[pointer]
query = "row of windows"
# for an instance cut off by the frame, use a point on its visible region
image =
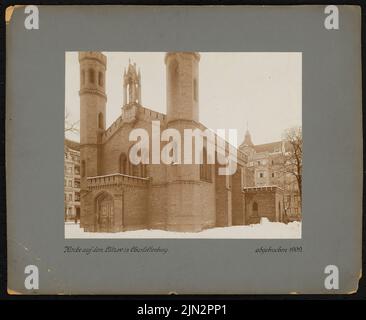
(69, 196)
(74, 158)
(126, 167)
(261, 162)
(91, 77)
(70, 183)
(140, 170)
(70, 170)
(263, 174)
(295, 197)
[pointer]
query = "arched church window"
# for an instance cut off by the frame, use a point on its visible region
(100, 121)
(83, 168)
(91, 76)
(83, 77)
(143, 170)
(123, 163)
(136, 170)
(255, 209)
(195, 90)
(205, 167)
(133, 169)
(100, 79)
(173, 77)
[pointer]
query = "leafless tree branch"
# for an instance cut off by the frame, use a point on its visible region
(70, 126)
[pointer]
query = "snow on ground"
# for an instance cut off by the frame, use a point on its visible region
(263, 230)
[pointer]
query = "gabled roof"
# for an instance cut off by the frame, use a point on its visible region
(268, 147)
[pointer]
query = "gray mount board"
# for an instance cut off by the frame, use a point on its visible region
(332, 178)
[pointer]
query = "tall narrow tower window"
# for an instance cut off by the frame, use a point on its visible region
(100, 121)
(123, 163)
(91, 76)
(83, 77)
(100, 79)
(205, 167)
(195, 90)
(83, 168)
(255, 209)
(173, 79)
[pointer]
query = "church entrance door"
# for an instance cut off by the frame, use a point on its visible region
(105, 213)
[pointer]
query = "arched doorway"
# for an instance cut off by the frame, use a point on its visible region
(105, 213)
(254, 213)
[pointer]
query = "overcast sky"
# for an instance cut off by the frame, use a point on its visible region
(262, 89)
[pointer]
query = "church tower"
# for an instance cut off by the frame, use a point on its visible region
(92, 111)
(248, 139)
(247, 145)
(185, 209)
(182, 85)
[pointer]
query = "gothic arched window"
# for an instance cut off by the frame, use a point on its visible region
(205, 167)
(173, 78)
(91, 76)
(255, 209)
(123, 163)
(195, 90)
(136, 170)
(100, 79)
(83, 77)
(100, 121)
(83, 168)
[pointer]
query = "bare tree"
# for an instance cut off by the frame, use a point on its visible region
(292, 160)
(70, 126)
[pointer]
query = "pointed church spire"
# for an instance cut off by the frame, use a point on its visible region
(248, 138)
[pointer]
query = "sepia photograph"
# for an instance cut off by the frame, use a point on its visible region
(159, 150)
(183, 145)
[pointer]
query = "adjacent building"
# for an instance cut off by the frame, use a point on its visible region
(71, 180)
(267, 161)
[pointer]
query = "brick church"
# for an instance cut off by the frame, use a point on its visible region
(118, 196)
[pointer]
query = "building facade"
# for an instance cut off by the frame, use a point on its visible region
(267, 163)
(117, 195)
(72, 180)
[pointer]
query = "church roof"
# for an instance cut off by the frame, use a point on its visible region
(72, 144)
(273, 146)
(268, 147)
(276, 146)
